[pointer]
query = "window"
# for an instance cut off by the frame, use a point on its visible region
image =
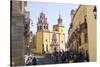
(85, 38)
(43, 49)
(47, 48)
(20, 3)
(40, 27)
(44, 27)
(46, 40)
(56, 30)
(94, 11)
(62, 41)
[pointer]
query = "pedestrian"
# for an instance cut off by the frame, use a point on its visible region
(34, 61)
(63, 57)
(29, 61)
(56, 58)
(86, 56)
(75, 58)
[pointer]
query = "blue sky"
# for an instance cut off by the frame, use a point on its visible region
(52, 11)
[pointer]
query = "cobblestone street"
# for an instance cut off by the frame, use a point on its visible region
(42, 59)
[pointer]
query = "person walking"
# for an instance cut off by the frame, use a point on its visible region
(34, 61)
(29, 61)
(63, 57)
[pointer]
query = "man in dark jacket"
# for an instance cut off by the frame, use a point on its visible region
(34, 61)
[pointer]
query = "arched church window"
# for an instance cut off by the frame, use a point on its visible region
(44, 27)
(40, 27)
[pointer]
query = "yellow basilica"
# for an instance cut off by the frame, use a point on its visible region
(46, 41)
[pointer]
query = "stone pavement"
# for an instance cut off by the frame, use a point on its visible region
(42, 59)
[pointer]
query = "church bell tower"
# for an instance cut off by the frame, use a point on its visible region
(42, 24)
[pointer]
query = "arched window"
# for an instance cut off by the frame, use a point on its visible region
(20, 4)
(47, 27)
(95, 12)
(44, 27)
(40, 27)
